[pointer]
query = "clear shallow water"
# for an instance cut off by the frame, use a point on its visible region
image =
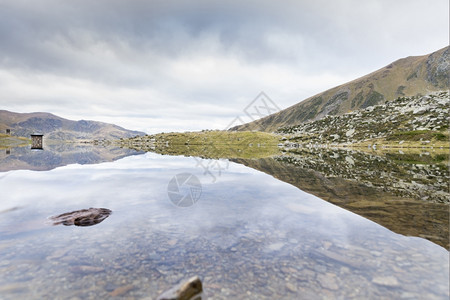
(249, 236)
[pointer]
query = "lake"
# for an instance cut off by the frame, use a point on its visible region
(246, 231)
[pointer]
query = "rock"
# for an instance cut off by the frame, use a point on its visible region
(350, 132)
(274, 247)
(326, 244)
(420, 110)
(14, 287)
(357, 264)
(406, 295)
(334, 136)
(291, 287)
(121, 290)
(171, 242)
(390, 281)
(86, 269)
(58, 253)
(349, 160)
(188, 290)
(327, 281)
(376, 253)
(83, 217)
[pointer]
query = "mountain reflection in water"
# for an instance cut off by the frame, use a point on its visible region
(60, 154)
(406, 193)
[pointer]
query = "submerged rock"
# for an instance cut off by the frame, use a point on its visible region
(389, 281)
(187, 290)
(121, 290)
(83, 217)
(85, 269)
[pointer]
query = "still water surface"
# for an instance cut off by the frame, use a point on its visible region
(249, 236)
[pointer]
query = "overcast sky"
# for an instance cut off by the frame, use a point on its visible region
(188, 65)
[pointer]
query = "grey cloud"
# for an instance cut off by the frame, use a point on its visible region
(178, 53)
(319, 33)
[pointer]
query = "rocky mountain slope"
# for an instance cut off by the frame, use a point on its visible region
(57, 128)
(411, 76)
(407, 119)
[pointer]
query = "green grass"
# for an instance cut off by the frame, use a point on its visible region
(373, 98)
(417, 135)
(209, 144)
(219, 138)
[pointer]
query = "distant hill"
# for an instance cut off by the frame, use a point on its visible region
(57, 128)
(411, 76)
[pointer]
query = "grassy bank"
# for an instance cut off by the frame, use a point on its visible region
(211, 144)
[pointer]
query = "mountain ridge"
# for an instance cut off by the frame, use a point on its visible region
(58, 128)
(409, 76)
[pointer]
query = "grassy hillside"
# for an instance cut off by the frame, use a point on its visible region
(411, 76)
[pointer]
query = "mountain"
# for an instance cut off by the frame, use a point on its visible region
(57, 128)
(410, 76)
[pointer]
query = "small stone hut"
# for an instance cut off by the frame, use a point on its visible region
(36, 141)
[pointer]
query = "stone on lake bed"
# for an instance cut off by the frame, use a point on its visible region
(171, 242)
(86, 269)
(82, 217)
(274, 247)
(14, 287)
(121, 290)
(187, 290)
(327, 281)
(291, 287)
(390, 281)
